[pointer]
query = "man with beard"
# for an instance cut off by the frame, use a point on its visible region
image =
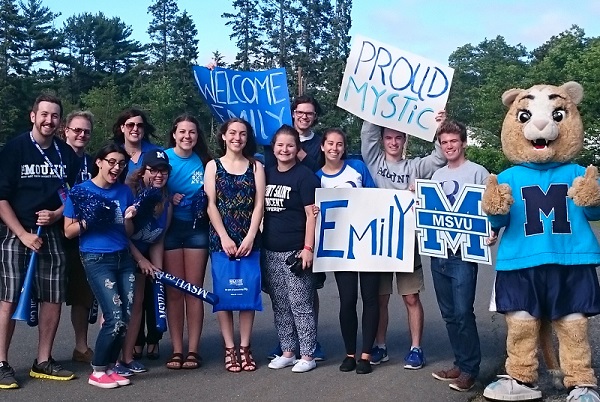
(37, 171)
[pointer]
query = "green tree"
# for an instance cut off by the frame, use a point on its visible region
(11, 69)
(162, 31)
(105, 102)
(40, 37)
(246, 33)
(482, 73)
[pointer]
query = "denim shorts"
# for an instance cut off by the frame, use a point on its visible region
(183, 234)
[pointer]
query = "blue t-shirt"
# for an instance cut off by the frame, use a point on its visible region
(133, 166)
(187, 177)
(354, 174)
(105, 238)
(148, 230)
(544, 226)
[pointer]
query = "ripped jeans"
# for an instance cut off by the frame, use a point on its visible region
(111, 278)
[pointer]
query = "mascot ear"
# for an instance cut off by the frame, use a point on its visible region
(574, 90)
(509, 96)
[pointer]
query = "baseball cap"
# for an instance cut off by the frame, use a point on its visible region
(156, 158)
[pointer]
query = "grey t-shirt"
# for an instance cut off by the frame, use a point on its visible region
(395, 175)
(453, 180)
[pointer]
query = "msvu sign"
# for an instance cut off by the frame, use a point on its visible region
(458, 226)
(364, 229)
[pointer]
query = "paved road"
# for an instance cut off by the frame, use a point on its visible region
(388, 382)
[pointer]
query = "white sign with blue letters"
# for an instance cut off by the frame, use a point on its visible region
(364, 229)
(460, 227)
(394, 88)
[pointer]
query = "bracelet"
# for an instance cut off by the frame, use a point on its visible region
(309, 248)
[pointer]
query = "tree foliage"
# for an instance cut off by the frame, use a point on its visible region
(91, 61)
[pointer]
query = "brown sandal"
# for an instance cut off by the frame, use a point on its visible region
(175, 362)
(248, 363)
(192, 361)
(231, 361)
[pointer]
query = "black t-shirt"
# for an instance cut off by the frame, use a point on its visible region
(286, 196)
(28, 183)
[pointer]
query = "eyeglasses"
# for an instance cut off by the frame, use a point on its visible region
(305, 114)
(154, 172)
(78, 130)
(113, 162)
(131, 125)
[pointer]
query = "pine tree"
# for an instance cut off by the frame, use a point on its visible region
(246, 33)
(162, 30)
(40, 39)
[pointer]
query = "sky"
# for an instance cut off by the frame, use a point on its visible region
(432, 28)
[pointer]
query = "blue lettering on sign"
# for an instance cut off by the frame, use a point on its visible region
(379, 232)
(400, 74)
(444, 225)
(259, 97)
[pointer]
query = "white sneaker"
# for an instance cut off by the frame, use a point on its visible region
(583, 394)
(280, 362)
(302, 366)
(508, 389)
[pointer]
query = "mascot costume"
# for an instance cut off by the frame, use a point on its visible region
(548, 252)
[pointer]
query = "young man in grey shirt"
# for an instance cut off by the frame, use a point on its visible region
(390, 170)
(455, 280)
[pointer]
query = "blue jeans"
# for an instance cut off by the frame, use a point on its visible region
(111, 279)
(455, 281)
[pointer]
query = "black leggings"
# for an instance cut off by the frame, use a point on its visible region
(369, 290)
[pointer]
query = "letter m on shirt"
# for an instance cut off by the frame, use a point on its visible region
(552, 203)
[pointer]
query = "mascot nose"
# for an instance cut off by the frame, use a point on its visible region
(540, 124)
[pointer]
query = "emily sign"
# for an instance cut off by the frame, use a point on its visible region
(365, 229)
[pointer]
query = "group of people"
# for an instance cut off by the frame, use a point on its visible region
(203, 206)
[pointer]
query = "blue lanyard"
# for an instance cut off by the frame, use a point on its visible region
(83, 171)
(50, 164)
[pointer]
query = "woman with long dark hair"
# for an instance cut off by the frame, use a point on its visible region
(235, 187)
(186, 240)
(133, 132)
(106, 259)
(338, 172)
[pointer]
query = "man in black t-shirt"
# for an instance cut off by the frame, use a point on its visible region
(37, 170)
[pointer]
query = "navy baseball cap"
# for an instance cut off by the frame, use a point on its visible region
(156, 158)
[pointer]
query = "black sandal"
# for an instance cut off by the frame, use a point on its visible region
(153, 354)
(175, 362)
(137, 355)
(192, 361)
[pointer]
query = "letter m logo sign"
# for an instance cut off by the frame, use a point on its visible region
(442, 226)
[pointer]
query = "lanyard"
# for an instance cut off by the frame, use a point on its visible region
(83, 172)
(54, 171)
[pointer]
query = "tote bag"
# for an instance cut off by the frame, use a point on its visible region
(236, 281)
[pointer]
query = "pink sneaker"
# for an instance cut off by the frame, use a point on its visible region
(104, 381)
(119, 379)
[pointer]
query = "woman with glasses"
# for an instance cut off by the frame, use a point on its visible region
(147, 248)
(132, 131)
(186, 240)
(106, 259)
(77, 134)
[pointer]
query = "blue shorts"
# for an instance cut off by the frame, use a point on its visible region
(549, 291)
(183, 234)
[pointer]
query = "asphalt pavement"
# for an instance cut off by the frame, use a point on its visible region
(388, 382)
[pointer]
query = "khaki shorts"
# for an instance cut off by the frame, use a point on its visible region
(407, 283)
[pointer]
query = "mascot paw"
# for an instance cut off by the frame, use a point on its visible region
(585, 191)
(497, 198)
